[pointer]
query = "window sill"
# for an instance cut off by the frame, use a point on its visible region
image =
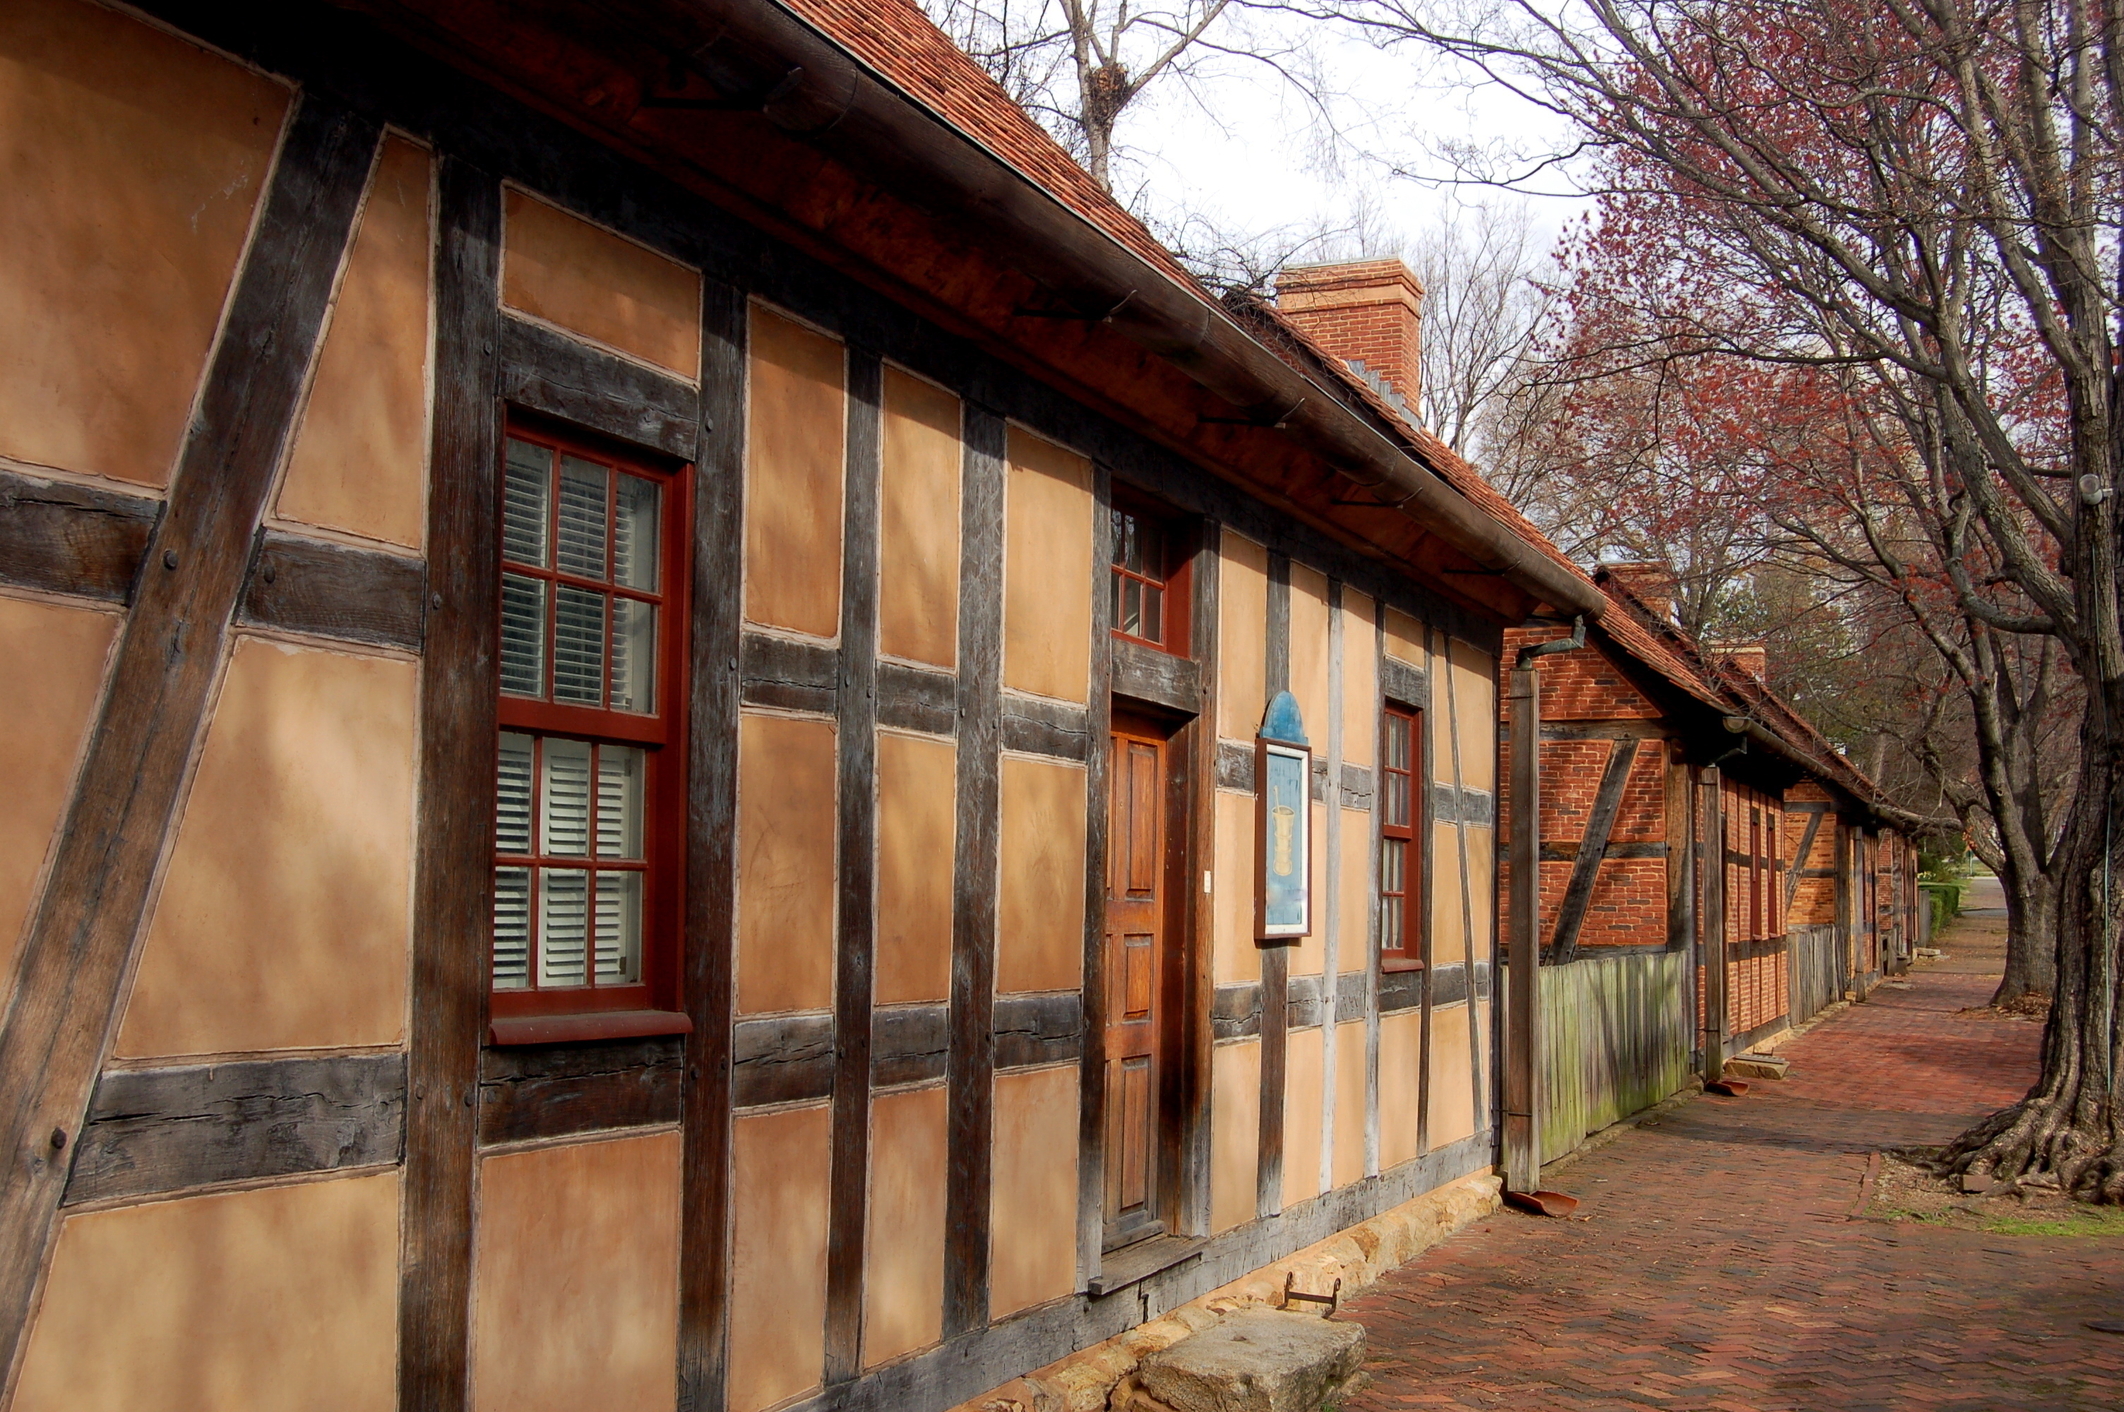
(1133, 1264)
(568, 1029)
(1400, 963)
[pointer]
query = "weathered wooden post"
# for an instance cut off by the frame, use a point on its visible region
(1713, 912)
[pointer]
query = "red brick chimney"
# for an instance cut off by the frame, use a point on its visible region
(1369, 313)
(1650, 582)
(1751, 657)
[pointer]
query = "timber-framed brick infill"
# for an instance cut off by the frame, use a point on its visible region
(773, 1064)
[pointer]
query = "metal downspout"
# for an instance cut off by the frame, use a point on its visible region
(1523, 1096)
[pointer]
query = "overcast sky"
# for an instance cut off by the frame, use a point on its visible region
(1239, 146)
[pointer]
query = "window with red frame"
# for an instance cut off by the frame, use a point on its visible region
(589, 789)
(1400, 839)
(1149, 581)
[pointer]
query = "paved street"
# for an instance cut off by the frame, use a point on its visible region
(1719, 1265)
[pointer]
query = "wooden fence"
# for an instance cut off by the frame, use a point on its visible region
(1820, 969)
(1616, 1039)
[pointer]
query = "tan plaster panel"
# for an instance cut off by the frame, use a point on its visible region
(794, 466)
(1309, 956)
(1235, 1132)
(903, 1272)
(779, 1181)
(1476, 699)
(918, 521)
(1353, 903)
(1449, 925)
(786, 831)
(1452, 1085)
(560, 268)
(1235, 958)
(575, 1287)
(1033, 1208)
(1349, 1103)
(917, 830)
(1440, 721)
(1309, 653)
(360, 462)
(283, 921)
(1304, 1102)
(277, 1299)
(1360, 678)
(1047, 585)
(49, 713)
(1040, 910)
(133, 162)
(1404, 639)
(1242, 636)
(1482, 1018)
(1482, 887)
(1400, 1072)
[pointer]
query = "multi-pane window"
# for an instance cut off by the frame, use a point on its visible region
(1400, 840)
(1148, 585)
(584, 778)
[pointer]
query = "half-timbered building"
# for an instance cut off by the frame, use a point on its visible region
(686, 730)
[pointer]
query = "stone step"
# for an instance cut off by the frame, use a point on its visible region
(1758, 1066)
(1257, 1360)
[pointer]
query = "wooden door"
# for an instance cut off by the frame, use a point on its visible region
(1135, 956)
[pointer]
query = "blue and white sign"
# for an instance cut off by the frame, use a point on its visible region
(1284, 851)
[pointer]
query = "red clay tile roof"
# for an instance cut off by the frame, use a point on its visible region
(897, 40)
(894, 38)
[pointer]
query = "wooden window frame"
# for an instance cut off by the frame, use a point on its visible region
(1411, 899)
(1176, 586)
(650, 1005)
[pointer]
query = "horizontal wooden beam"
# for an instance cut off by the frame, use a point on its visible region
(331, 590)
(1399, 682)
(547, 371)
(788, 673)
(1358, 784)
(152, 1131)
(917, 699)
(1038, 1029)
(60, 537)
(1159, 678)
(1235, 766)
(1567, 852)
(908, 1043)
(1627, 729)
(555, 1090)
(1464, 805)
(1033, 726)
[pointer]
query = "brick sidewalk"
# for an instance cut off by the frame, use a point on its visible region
(1720, 1269)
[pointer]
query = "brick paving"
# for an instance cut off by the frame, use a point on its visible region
(1718, 1266)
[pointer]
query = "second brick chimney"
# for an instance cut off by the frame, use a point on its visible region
(1368, 313)
(1653, 584)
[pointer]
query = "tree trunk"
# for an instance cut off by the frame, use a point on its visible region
(2071, 1124)
(2031, 934)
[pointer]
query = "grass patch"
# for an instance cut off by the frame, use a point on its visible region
(2092, 1221)
(1908, 1190)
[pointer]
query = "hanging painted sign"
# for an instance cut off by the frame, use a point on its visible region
(1283, 844)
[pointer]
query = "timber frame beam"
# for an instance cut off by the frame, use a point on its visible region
(78, 948)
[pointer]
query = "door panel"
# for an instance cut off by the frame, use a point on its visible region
(1135, 941)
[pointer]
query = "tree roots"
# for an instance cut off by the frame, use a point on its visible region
(2045, 1135)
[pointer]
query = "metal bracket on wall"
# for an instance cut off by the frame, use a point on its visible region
(679, 74)
(1332, 1299)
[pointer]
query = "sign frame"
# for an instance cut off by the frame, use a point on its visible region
(1283, 833)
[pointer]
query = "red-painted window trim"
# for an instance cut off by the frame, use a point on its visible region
(1168, 570)
(1401, 819)
(651, 1005)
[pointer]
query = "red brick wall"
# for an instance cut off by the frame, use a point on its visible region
(1628, 904)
